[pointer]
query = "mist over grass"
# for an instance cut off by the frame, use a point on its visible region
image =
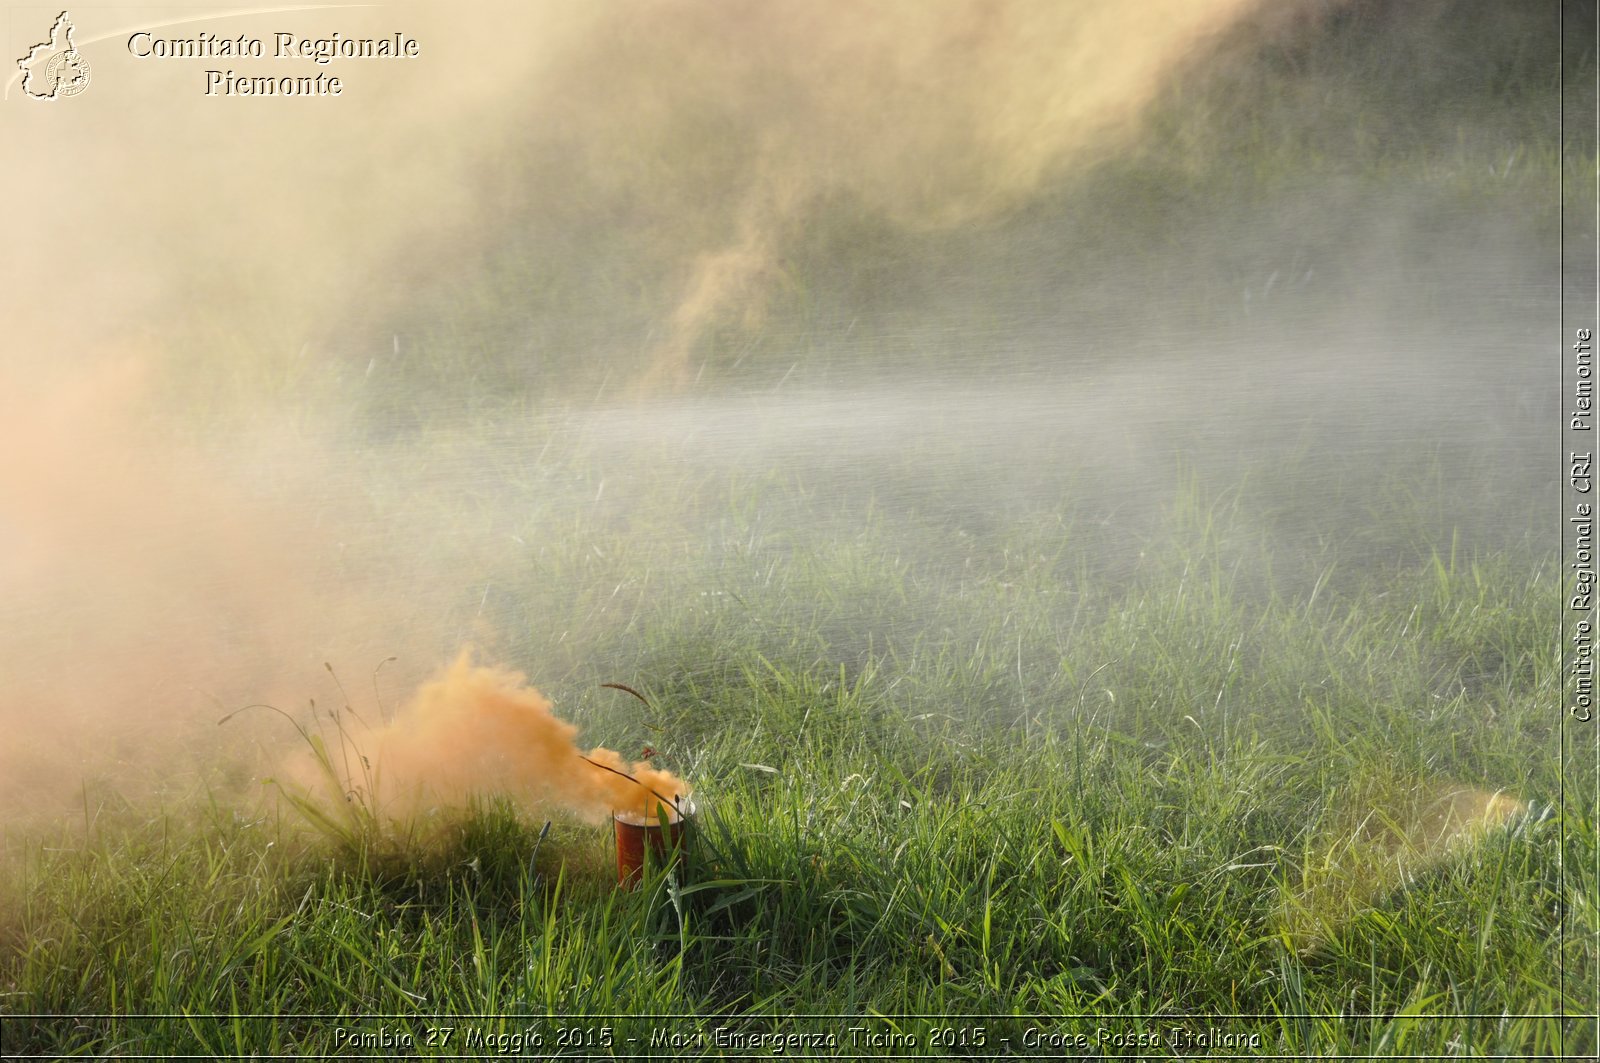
(1370, 165)
(1075, 608)
(1038, 787)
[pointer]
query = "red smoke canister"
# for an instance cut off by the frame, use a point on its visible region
(637, 834)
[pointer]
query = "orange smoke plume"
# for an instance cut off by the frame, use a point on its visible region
(477, 730)
(929, 115)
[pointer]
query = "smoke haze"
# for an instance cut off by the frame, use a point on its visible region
(295, 381)
(474, 731)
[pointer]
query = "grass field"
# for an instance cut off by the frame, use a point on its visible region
(1170, 798)
(1122, 623)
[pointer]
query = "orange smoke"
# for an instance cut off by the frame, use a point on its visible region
(477, 730)
(929, 115)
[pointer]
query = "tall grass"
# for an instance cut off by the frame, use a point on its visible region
(1124, 802)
